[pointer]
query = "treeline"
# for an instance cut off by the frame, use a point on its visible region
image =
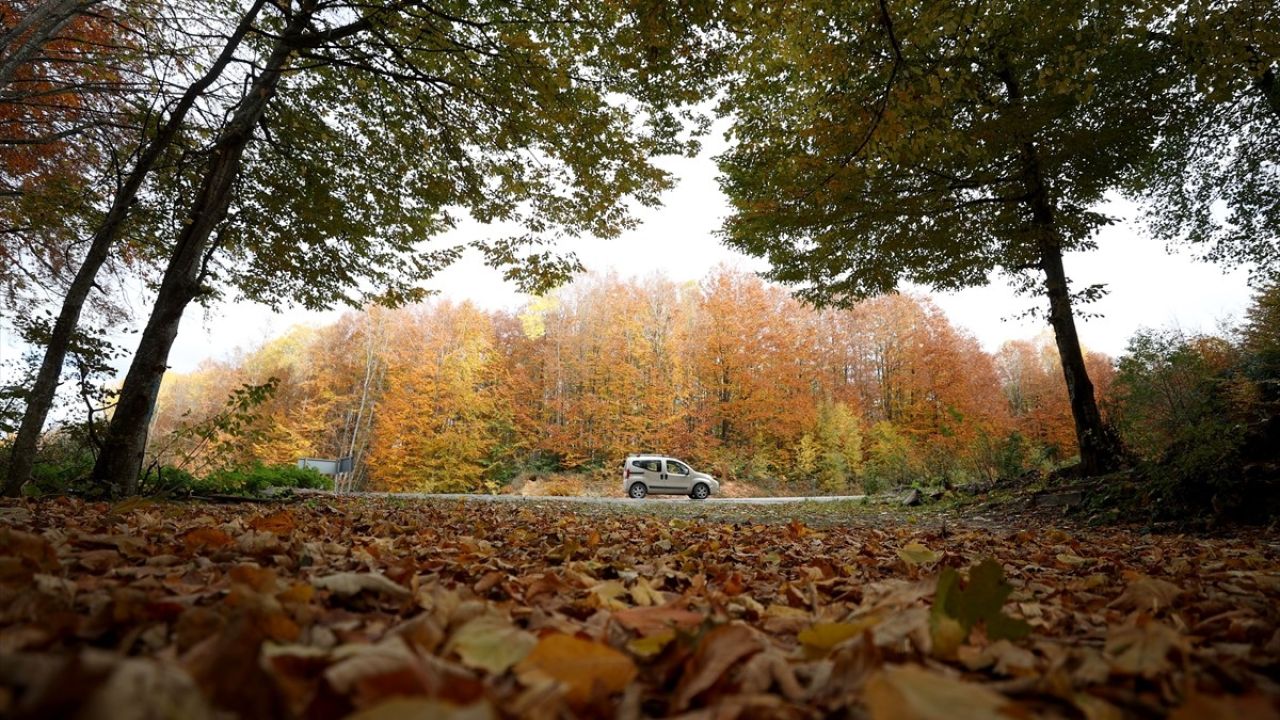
(732, 374)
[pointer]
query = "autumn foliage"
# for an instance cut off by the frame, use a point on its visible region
(732, 374)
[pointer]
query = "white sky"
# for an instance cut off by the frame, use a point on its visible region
(1148, 286)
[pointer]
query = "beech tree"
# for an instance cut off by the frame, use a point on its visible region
(940, 144)
(164, 122)
(362, 131)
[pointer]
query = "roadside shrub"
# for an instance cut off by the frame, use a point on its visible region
(1194, 411)
(257, 478)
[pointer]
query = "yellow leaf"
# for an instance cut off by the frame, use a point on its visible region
(645, 594)
(650, 645)
(947, 634)
(581, 665)
(913, 693)
(824, 636)
(916, 554)
(491, 642)
(606, 594)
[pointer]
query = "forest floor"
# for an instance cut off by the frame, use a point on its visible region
(325, 606)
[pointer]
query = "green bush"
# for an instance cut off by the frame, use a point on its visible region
(257, 478)
(1193, 410)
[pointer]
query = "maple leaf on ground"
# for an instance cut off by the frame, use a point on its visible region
(956, 609)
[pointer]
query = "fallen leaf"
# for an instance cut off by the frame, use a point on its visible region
(909, 692)
(650, 620)
(205, 538)
(1142, 649)
(426, 709)
(916, 554)
(1147, 594)
(646, 646)
(1207, 707)
(717, 651)
(822, 637)
(349, 583)
(581, 665)
(491, 642)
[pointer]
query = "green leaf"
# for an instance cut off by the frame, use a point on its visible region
(980, 600)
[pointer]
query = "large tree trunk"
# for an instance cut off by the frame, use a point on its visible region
(120, 462)
(40, 398)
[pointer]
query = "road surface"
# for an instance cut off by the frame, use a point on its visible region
(595, 500)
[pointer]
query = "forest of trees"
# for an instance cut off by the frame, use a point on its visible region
(731, 374)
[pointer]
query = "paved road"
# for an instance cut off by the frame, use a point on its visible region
(616, 500)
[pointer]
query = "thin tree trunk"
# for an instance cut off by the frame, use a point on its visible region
(1099, 453)
(40, 398)
(1099, 450)
(120, 462)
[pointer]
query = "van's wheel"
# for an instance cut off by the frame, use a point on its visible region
(700, 491)
(638, 491)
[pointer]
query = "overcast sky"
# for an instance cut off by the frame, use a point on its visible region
(1147, 285)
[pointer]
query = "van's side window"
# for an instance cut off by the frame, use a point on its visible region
(650, 465)
(676, 468)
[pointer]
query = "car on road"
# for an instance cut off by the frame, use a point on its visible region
(660, 475)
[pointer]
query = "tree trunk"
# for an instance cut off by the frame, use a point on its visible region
(120, 463)
(1099, 453)
(1099, 450)
(40, 398)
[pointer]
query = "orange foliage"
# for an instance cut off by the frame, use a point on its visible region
(1031, 375)
(732, 374)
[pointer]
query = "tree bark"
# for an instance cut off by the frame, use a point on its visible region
(120, 463)
(43, 390)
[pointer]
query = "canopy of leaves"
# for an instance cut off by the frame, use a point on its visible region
(1214, 184)
(538, 119)
(904, 140)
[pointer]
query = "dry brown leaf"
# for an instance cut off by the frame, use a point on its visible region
(349, 583)
(909, 692)
(1147, 594)
(1206, 707)
(1143, 649)
(425, 709)
(717, 651)
(651, 620)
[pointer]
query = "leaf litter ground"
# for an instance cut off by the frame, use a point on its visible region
(391, 609)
